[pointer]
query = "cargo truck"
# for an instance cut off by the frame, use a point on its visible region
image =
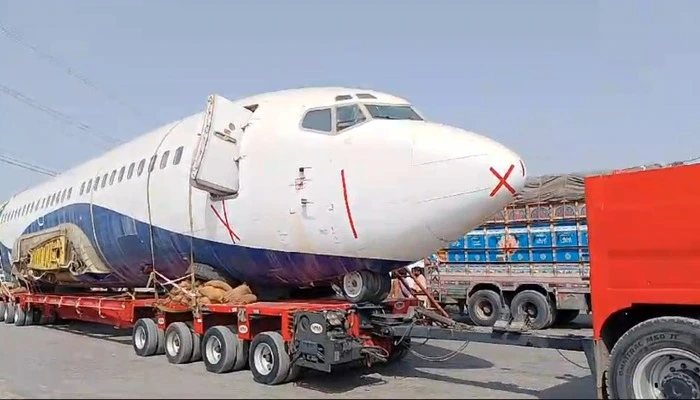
(533, 255)
(645, 297)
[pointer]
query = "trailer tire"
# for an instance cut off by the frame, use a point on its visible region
(480, 300)
(535, 305)
(565, 317)
(29, 317)
(268, 358)
(242, 348)
(36, 316)
(647, 350)
(178, 343)
(20, 316)
(196, 347)
(3, 305)
(144, 337)
(9, 313)
(219, 349)
(161, 343)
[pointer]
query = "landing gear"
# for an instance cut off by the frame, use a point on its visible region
(366, 286)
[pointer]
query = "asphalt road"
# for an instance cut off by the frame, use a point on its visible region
(90, 361)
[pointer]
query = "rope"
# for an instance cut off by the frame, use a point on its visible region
(151, 276)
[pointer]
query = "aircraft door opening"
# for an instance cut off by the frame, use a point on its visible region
(215, 167)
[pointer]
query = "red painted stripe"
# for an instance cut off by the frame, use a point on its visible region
(225, 222)
(228, 224)
(347, 204)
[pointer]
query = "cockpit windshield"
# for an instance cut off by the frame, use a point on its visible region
(392, 112)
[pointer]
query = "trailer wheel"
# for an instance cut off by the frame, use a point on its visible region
(658, 358)
(196, 347)
(29, 317)
(9, 313)
(178, 343)
(565, 317)
(269, 361)
(219, 349)
(36, 316)
(484, 307)
(161, 343)
(144, 337)
(533, 305)
(3, 306)
(242, 349)
(20, 316)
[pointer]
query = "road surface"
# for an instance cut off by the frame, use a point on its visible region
(82, 360)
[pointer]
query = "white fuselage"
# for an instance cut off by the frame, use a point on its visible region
(311, 205)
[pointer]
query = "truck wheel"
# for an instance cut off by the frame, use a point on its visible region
(534, 306)
(144, 337)
(29, 317)
(20, 316)
(9, 313)
(3, 306)
(565, 317)
(36, 316)
(658, 358)
(178, 343)
(484, 307)
(269, 361)
(219, 349)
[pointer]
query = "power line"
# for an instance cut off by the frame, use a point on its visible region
(28, 166)
(68, 70)
(54, 113)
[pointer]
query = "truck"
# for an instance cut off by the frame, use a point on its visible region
(533, 256)
(645, 301)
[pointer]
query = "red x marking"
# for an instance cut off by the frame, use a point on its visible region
(224, 221)
(502, 181)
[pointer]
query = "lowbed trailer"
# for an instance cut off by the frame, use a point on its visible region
(645, 295)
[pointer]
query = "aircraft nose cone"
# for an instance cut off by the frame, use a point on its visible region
(467, 178)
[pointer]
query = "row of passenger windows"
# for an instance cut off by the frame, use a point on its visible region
(94, 183)
(350, 115)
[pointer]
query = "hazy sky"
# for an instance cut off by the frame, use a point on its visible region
(570, 85)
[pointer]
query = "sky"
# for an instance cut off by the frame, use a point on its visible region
(569, 85)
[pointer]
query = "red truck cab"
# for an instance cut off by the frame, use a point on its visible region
(645, 287)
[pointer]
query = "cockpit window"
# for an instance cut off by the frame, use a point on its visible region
(318, 120)
(392, 112)
(347, 116)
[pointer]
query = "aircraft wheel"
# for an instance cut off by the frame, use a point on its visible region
(144, 337)
(269, 361)
(366, 286)
(178, 343)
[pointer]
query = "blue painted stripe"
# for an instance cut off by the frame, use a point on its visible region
(125, 245)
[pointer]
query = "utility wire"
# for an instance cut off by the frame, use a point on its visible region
(56, 114)
(28, 166)
(13, 35)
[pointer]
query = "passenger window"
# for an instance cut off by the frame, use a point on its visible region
(318, 120)
(70, 190)
(63, 195)
(121, 174)
(164, 159)
(82, 189)
(43, 202)
(178, 156)
(111, 177)
(152, 163)
(104, 180)
(131, 171)
(142, 163)
(97, 183)
(89, 186)
(347, 116)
